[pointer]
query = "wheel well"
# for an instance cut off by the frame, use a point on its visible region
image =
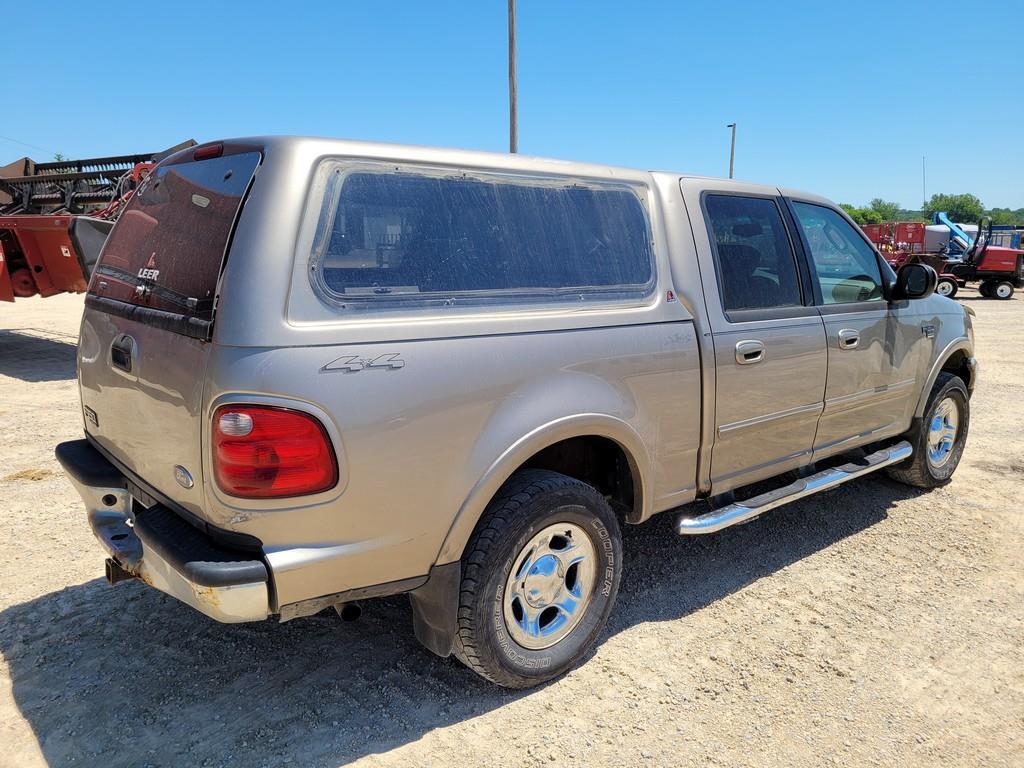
(957, 363)
(597, 461)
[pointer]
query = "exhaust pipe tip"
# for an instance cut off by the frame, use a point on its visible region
(349, 611)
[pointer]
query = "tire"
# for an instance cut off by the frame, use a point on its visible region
(491, 637)
(931, 465)
(985, 289)
(1002, 290)
(946, 287)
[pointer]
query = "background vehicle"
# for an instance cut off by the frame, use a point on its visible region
(47, 255)
(55, 216)
(959, 256)
(315, 372)
(999, 268)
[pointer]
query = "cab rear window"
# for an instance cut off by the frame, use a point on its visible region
(163, 258)
(390, 238)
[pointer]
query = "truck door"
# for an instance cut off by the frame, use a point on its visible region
(769, 340)
(874, 348)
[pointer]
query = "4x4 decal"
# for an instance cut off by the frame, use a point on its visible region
(355, 363)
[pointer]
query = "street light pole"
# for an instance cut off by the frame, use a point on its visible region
(732, 147)
(924, 186)
(513, 128)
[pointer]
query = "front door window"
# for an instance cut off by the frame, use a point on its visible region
(844, 264)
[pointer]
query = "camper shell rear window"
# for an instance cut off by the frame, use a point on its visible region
(162, 261)
(417, 237)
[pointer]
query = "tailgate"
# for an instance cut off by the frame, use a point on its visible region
(144, 348)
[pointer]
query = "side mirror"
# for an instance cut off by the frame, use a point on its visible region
(914, 281)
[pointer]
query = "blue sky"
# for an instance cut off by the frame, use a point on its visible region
(827, 99)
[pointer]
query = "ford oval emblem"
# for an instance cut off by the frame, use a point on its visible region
(183, 476)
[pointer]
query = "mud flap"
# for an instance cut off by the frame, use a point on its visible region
(435, 608)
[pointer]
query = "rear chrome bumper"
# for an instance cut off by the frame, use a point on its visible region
(163, 550)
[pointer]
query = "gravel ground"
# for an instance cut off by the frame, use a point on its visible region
(872, 625)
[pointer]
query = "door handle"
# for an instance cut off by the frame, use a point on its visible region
(122, 350)
(848, 339)
(749, 351)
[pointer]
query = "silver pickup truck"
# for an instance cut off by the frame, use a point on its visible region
(315, 372)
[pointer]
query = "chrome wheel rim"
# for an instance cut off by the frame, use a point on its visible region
(944, 288)
(1003, 290)
(942, 432)
(550, 586)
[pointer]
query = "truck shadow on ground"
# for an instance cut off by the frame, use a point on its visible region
(132, 677)
(30, 354)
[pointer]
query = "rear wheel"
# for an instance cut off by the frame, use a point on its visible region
(540, 575)
(946, 287)
(939, 437)
(1003, 289)
(985, 289)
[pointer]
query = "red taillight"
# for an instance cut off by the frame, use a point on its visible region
(262, 452)
(208, 151)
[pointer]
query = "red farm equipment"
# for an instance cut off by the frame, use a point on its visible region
(54, 218)
(964, 260)
(48, 254)
(1000, 269)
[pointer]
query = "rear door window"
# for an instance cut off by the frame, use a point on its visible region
(756, 266)
(455, 239)
(163, 258)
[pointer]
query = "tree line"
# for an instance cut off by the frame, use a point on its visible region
(965, 209)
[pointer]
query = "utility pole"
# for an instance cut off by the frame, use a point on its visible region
(513, 128)
(732, 147)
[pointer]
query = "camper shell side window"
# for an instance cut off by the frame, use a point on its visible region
(390, 237)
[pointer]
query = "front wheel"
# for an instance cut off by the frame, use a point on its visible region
(985, 289)
(939, 437)
(946, 287)
(540, 575)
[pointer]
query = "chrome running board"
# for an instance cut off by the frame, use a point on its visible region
(742, 511)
